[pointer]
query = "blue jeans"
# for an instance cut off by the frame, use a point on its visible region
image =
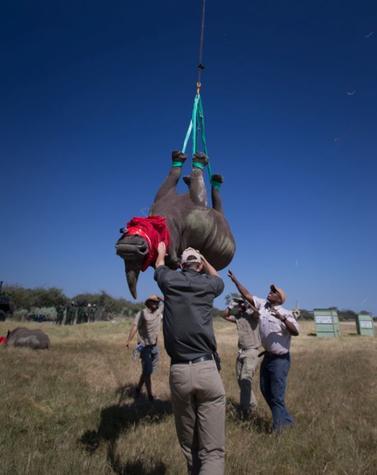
(149, 358)
(273, 381)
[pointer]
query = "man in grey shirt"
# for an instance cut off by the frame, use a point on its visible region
(197, 391)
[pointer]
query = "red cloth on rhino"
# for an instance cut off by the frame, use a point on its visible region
(154, 230)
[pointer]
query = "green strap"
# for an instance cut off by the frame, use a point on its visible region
(196, 128)
(216, 184)
(203, 134)
(198, 165)
(177, 164)
(195, 124)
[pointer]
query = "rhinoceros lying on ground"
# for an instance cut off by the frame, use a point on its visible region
(35, 339)
(190, 222)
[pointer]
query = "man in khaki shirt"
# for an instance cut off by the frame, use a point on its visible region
(147, 324)
(249, 344)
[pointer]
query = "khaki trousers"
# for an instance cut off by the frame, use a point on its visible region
(198, 400)
(246, 365)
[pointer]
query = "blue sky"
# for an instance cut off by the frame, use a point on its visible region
(95, 95)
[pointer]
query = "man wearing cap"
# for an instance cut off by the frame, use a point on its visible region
(276, 325)
(147, 325)
(197, 391)
(246, 319)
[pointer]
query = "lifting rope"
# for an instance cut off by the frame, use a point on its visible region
(196, 127)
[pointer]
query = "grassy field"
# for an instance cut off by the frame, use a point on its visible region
(69, 410)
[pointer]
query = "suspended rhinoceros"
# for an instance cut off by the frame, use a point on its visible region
(35, 339)
(189, 222)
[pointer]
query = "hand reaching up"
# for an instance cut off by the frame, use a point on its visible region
(161, 253)
(232, 276)
(161, 249)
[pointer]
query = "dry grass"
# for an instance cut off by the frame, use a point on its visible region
(69, 410)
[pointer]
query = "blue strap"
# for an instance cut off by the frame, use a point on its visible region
(188, 133)
(195, 124)
(203, 135)
(197, 129)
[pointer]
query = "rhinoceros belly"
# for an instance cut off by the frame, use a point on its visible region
(207, 230)
(199, 227)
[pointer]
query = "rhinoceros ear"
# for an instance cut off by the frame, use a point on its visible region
(132, 274)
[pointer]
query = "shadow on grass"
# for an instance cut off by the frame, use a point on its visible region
(252, 422)
(118, 419)
(137, 468)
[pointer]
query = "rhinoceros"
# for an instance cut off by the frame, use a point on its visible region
(189, 220)
(35, 339)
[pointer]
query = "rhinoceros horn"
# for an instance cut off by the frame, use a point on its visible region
(132, 275)
(133, 250)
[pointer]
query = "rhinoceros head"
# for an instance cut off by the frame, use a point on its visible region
(133, 249)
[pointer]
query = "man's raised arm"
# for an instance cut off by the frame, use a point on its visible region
(208, 268)
(242, 290)
(161, 250)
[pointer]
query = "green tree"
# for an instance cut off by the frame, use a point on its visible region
(39, 297)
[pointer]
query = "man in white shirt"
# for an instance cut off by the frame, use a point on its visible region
(276, 326)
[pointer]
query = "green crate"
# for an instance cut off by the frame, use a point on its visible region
(326, 322)
(365, 324)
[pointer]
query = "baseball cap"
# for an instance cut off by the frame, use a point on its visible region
(235, 302)
(190, 255)
(279, 291)
(153, 298)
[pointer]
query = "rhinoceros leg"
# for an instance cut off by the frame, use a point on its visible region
(178, 158)
(198, 192)
(216, 181)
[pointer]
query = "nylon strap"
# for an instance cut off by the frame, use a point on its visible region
(195, 124)
(177, 164)
(188, 133)
(196, 129)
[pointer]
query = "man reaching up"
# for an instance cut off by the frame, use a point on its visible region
(276, 326)
(197, 391)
